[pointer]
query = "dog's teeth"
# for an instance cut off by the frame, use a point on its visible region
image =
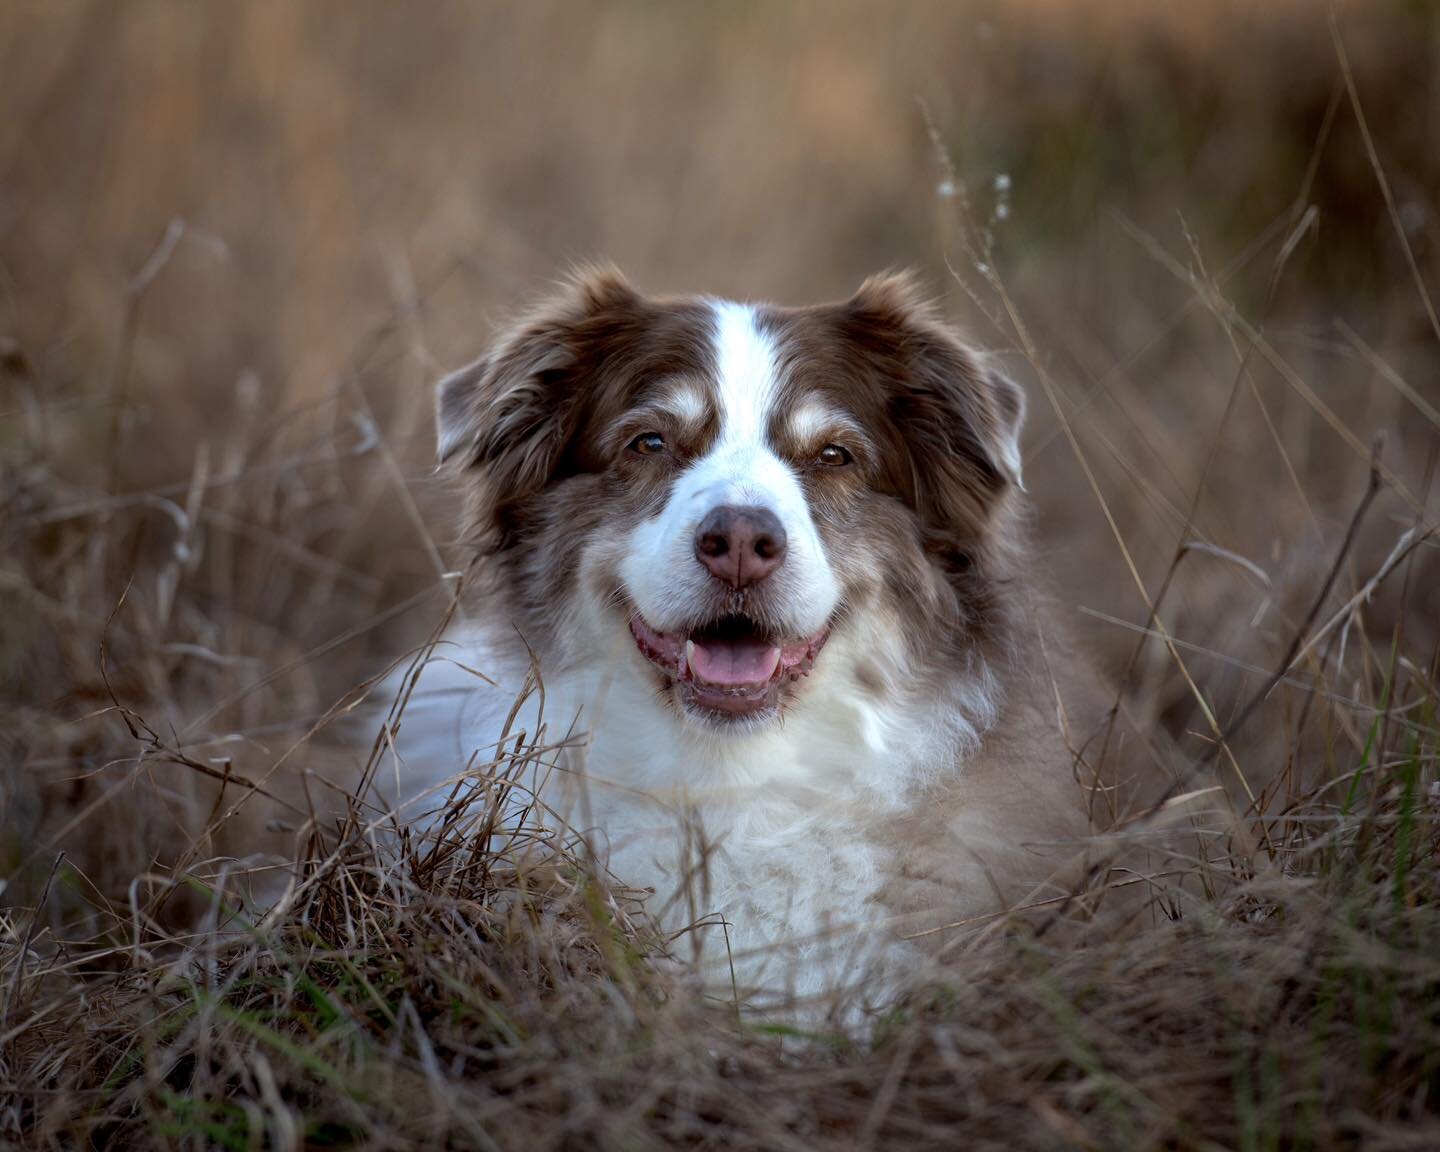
(685, 665)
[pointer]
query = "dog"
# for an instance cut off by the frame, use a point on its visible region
(768, 568)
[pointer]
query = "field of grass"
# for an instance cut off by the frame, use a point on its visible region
(238, 244)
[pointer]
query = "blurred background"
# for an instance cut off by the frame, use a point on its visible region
(239, 242)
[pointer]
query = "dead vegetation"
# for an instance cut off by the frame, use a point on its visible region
(217, 530)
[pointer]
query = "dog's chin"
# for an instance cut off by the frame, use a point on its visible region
(731, 673)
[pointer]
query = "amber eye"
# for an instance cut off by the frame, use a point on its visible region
(833, 456)
(648, 444)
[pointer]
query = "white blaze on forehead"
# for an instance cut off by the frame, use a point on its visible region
(745, 370)
(749, 389)
(668, 585)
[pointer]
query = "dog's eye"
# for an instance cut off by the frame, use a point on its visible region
(648, 444)
(833, 456)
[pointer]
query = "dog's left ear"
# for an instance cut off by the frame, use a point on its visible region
(958, 414)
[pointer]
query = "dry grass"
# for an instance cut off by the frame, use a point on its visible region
(217, 529)
(428, 994)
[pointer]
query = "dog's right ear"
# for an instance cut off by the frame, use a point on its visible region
(511, 413)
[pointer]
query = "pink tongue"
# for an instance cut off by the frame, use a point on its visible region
(733, 662)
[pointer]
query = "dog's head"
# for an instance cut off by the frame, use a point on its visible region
(722, 488)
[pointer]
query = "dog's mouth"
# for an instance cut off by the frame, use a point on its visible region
(731, 667)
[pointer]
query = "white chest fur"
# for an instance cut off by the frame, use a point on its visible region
(776, 839)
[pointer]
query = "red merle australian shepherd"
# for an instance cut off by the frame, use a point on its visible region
(768, 566)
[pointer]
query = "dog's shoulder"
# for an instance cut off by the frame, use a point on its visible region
(1008, 827)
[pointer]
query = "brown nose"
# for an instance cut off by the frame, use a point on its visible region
(741, 546)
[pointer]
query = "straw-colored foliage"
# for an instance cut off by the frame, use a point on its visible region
(237, 243)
